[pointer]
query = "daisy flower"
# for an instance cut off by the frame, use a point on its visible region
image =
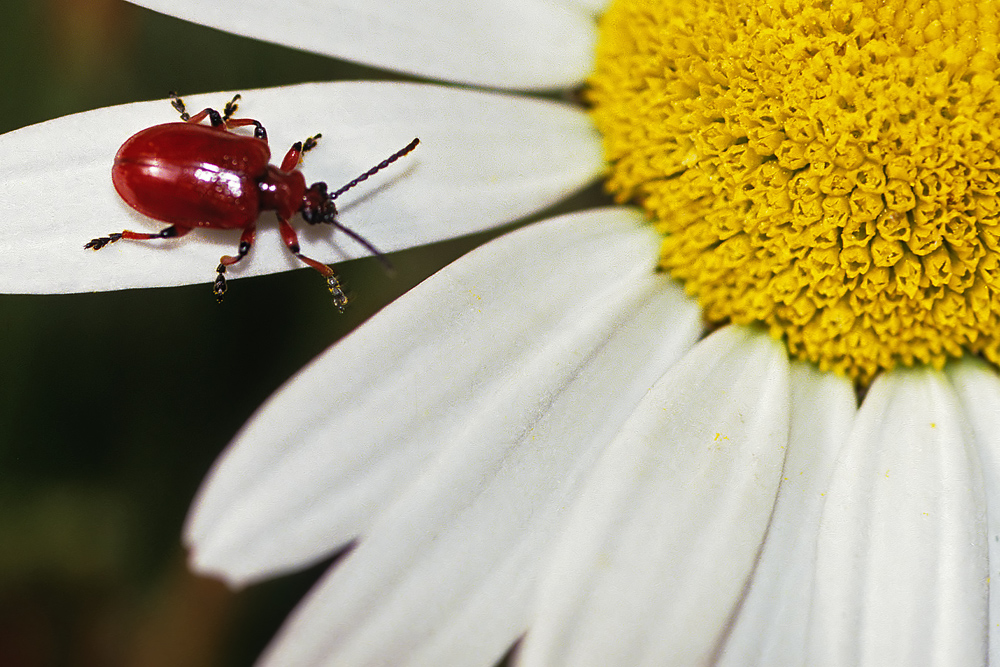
(551, 445)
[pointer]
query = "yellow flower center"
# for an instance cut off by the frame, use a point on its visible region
(829, 168)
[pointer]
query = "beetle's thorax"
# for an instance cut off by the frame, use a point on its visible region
(282, 191)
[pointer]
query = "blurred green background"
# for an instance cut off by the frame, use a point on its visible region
(114, 405)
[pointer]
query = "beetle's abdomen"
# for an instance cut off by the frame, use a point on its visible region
(192, 175)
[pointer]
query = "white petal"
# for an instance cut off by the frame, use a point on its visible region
(446, 576)
(594, 7)
(901, 569)
(661, 544)
(341, 440)
(512, 44)
(979, 390)
(770, 628)
(484, 159)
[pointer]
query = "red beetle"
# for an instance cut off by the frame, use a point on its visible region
(194, 175)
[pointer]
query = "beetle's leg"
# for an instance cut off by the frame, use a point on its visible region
(171, 232)
(246, 242)
(294, 154)
(230, 110)
(231, 107)
(225, 119)
(214, 116)
(291, 240)
(258, 129)
(177, 103)
(219, 122)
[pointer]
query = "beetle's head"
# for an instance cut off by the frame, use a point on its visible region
(317, 205)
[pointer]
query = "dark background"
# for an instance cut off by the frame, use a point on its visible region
(114, 405)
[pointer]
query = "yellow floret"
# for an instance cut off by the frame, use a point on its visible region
(828, 168)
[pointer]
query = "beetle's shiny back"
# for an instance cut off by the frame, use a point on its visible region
(192, 175)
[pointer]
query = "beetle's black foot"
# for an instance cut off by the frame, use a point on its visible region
(219, 287)
(178, 104)
(339, 296)
(231, 107)
(97, 244)
(310, 143)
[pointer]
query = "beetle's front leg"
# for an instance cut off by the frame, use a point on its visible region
(295, 153)
(291, 240)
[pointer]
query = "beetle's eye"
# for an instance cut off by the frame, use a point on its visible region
(314, 203)
(329, 210)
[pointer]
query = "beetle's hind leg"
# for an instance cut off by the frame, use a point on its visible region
(219, 120)
(178, 104)
(246, 242)
(214, 117)
(171, 232)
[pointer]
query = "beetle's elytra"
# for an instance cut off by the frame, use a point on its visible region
(193, 175)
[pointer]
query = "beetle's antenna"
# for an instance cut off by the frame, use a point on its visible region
(377, 168)
(366, 243)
